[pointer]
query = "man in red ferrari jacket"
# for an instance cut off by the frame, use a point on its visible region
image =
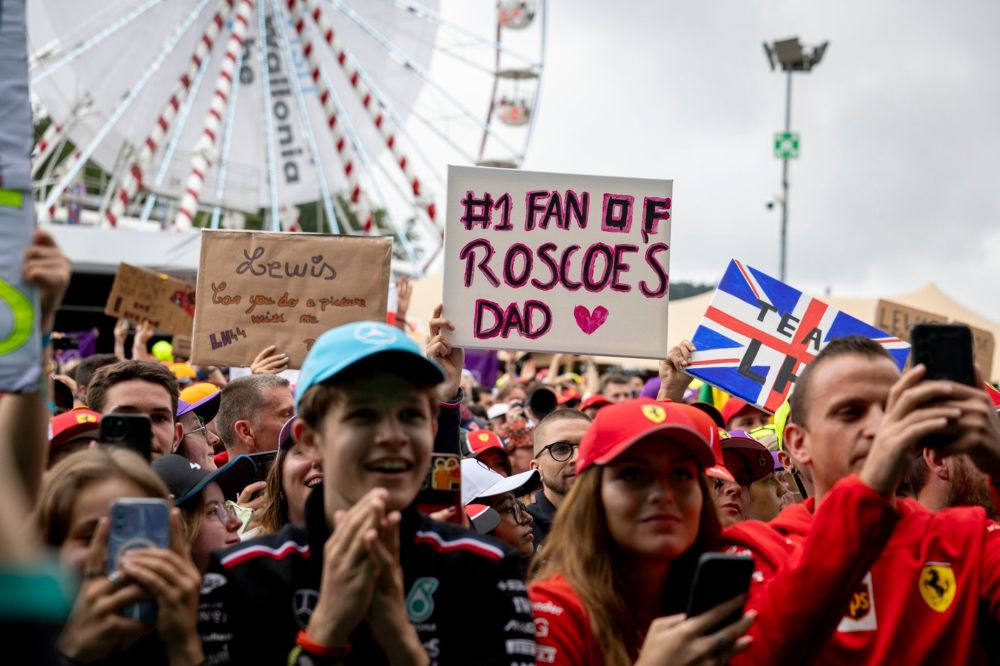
(867, 578)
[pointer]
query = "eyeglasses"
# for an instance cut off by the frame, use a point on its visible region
(222, 512)
(560, 451)
(203, 431)
(517, 511)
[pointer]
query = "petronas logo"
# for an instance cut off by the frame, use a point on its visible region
(420, 600)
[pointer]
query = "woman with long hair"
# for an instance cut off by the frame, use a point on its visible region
(72, 518)
(293, 475)
(612, 579)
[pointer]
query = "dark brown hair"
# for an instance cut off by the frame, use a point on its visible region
(580, 548)
(123, 371)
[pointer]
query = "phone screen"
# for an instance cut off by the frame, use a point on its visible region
(719, 578)
(132, 431)
(443, 486)
(945, 350)
(137, 523)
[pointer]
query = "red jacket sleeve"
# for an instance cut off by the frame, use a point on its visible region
(562, 626)
(804, 584)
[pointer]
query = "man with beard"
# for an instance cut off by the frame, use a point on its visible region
(556, 440)
(938, 483)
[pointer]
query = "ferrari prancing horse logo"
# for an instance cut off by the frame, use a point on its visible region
(937, 585)
(654, 413)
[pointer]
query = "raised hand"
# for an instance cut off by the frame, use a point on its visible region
(96, 627)
(173, 580)
(450, 357)
(349, 575)
(673, 379)
(269, 362)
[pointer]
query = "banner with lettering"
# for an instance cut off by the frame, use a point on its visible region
(758, 333)
(257, 289)
(138, 294)
(557, 262)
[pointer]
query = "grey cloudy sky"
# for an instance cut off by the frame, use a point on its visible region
(900, 123)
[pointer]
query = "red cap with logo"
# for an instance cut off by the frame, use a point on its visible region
(620, 425)
(74, 424)
(482, 440)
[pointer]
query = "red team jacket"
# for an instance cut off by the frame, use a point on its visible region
(857, 581)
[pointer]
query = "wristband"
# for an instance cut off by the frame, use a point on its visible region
(46, 339)
(308, 645)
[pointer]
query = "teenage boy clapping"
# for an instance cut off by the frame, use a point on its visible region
(367, 579)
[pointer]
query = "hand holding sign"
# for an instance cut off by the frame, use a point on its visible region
(450, 357)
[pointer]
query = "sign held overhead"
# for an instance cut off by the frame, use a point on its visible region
(758, 333)
(557, 262)
(257, 289)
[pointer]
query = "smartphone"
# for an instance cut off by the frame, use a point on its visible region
(946, 351)
(137, 523)
(132, 431)
(719, 578)
(263, 462)
(443, 486)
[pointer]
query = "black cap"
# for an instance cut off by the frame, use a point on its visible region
(186, 479)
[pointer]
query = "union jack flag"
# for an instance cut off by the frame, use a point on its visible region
(758, 333)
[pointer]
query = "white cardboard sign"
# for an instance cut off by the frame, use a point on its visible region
(557, 262)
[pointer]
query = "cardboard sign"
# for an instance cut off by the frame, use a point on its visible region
(898, 319)
(20, 340)
(166, 302)
(557, 262)
(758, 333)
(258, 289)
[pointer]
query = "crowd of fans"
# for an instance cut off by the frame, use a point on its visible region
(296, 532)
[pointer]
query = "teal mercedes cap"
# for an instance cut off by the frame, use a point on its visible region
(340, 348)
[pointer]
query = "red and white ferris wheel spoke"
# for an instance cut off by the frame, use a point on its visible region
(133, 178)
(207, 146)
(77, 163)
(362, 87)
(343, 144)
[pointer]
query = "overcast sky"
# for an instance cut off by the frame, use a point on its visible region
(897, 184)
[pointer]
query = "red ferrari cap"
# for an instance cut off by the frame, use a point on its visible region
(481, 440)
(620, 425)
(74, 424)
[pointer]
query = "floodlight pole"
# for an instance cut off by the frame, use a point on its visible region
(784, 176)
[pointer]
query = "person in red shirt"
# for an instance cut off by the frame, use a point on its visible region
(855, 575)
(616, 566)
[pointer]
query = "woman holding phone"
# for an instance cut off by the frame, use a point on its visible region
(611, 581)
(72, 518)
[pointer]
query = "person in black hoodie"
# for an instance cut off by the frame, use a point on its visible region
(367, 579)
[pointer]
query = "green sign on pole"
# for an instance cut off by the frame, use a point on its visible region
(786, 145)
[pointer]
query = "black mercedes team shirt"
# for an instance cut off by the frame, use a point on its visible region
(465, 596)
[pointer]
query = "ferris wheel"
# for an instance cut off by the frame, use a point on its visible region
(318, 115)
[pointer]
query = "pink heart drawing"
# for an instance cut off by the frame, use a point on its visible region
(590, 322)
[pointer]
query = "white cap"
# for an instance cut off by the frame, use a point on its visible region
(480, 481)
(498, 409)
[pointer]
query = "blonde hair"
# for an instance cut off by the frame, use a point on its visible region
(63, 484)
(579, 547)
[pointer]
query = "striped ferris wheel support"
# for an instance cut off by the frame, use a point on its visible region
(207, 146)
(133, 179)
(363, 89)
(343, 145)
